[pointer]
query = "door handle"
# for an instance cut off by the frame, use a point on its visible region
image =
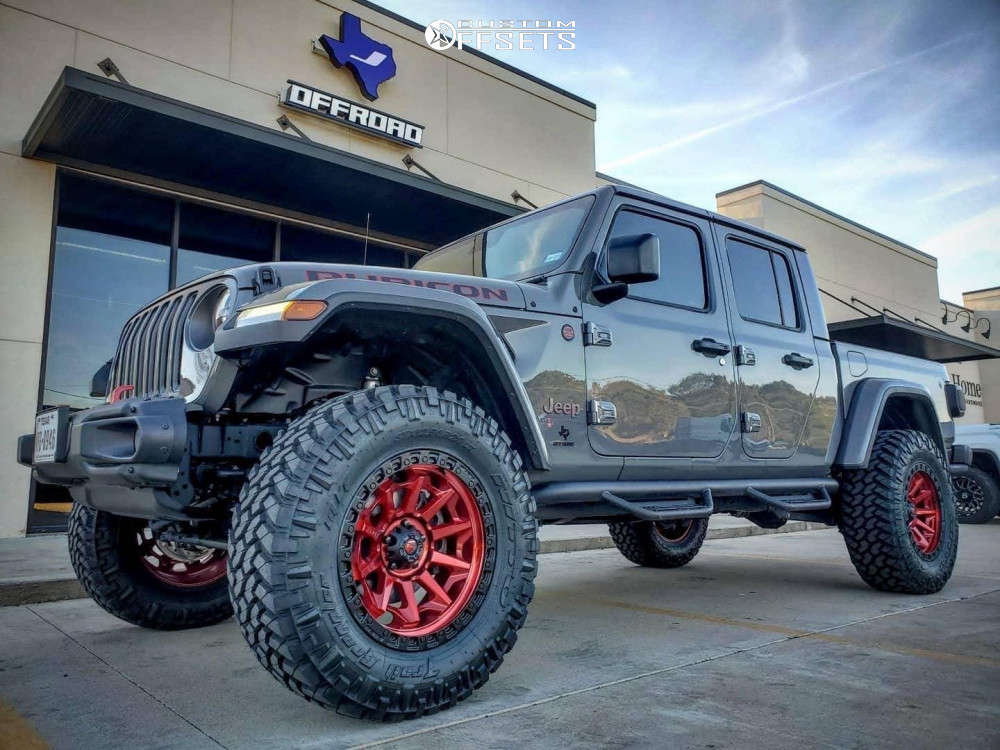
(710, 347)
(797, 361)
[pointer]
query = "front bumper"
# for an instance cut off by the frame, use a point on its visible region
(122, 457)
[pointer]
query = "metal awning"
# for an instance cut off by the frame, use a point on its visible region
(904, 337)
(92, 122)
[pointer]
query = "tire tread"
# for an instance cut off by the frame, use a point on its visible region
(267, 572)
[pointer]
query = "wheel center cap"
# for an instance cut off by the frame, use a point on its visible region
(403, 546)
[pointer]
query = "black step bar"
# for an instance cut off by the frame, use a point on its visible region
(672, 499)
(794, 503)
(664, 511)
(563, 493)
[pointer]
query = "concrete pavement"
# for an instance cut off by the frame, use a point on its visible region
(765, 641)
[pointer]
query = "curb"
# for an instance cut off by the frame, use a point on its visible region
(38, 592)
(605, 542)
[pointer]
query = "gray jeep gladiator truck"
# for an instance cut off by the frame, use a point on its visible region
(354, 460)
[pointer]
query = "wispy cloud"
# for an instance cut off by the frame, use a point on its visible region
(614, 73)
(958, 187)
(970, 245)
(776, 106)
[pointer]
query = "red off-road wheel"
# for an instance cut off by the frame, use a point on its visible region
(418, 549)
(664, 544)
(142, 580)
(383, 552)
(898, 515)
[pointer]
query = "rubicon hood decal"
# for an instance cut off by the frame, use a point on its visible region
(485, 291)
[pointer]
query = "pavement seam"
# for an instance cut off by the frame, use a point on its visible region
(831, 563)
(822, 635)
(125, 677)
(664, 670)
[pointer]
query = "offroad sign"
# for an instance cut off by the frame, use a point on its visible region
(305, 98)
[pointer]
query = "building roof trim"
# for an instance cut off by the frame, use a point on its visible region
(834, 214)
(984, 289)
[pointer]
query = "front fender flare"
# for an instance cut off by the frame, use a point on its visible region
(867, 407)
(342, 295)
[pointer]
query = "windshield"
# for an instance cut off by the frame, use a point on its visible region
(523, 248)
(535, 244)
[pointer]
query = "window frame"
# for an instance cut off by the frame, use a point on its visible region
(706, 270)
(792, 275)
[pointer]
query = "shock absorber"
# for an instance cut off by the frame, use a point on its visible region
(373, 379)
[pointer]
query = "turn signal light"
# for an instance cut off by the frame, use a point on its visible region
(304, 309)
(299, 309)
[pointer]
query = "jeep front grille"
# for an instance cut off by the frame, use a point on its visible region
(149, 349)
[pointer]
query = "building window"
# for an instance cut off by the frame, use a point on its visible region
(114, 248)
(312, 245)
(111, 257)
(213, 240)
(305, 244)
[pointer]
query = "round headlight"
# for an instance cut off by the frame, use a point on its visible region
(208, 314)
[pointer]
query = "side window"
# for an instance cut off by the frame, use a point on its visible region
(682, 263)
(762, 280)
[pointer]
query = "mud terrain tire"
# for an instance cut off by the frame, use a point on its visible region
(878, 509)
(977, 497)
(110, 568)
(659, 545)
(296, 539)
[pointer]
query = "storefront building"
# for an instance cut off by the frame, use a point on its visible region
(114, 192)
(146, 144)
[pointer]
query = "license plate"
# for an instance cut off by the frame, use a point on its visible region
(49, 436)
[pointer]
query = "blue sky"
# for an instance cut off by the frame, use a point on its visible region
(887, 112)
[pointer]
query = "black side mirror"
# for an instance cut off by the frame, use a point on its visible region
(634, 259)
(631, 260)
(99, 383)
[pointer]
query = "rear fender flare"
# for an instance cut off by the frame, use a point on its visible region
(868, 405)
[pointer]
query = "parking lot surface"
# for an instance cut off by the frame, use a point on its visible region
(769, 641)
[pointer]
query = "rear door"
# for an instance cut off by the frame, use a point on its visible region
(669, 399)
(776, 360)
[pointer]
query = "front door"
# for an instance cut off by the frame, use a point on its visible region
(776, 354)
(660, 356)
